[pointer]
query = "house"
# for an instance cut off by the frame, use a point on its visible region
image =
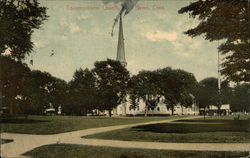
(161, 109)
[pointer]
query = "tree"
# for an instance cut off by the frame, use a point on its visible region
(208, 93)
(177, 87)
(229, 21)
(82, 93)
(37, 91)
(57, 92)
(240, 101)
(145, 85)
(28, 92)
(18, 19)
(13, 75)
(112, 80)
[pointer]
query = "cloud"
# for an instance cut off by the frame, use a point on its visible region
(73, 27)
(159, 36)
(39, 44)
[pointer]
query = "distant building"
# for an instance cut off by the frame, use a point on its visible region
(161, 109)
(214, 110)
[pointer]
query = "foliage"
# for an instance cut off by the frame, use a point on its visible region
(13, 76)
(40, 92)
(240, 98)
(82, 93)
(177, 87)
(18, 20)
(145, 85)
(229, 21)
(58, 92)
(112, 81)
(208, 93)
(133, 101)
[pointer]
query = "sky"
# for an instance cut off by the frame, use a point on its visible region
(78, 33)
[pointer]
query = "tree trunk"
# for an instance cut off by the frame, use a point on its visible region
(219, 110)
(181, 110)
(109, 113)
(146, 111)
(172, 109)
(204, 113)
(11, 109)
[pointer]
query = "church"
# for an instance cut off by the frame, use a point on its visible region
(161, 109)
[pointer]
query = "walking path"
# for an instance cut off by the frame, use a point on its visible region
(163, 146)
(25, 142)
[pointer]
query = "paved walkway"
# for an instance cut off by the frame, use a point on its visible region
(26, 142)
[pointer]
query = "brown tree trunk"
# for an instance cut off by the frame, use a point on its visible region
(146, 111)
(109, 113)
(11, 109)
(172, 109)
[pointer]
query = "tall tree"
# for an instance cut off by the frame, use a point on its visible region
(83, 93)
(240, 101)
(208, 93)
(145, 85)
(112, 81)
(18, 19)
(37, 91)
(13, 74)
(177, 87)
(226, 20)
(58, 92)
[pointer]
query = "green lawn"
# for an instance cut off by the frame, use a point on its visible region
(78, 151)
(210, 130)
(59, 124)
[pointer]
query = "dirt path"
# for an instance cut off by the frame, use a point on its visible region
(163, 146)
(26, 142)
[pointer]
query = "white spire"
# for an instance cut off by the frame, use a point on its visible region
(121, 48)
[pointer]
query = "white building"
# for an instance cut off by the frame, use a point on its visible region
(214, 110)
(161, 109)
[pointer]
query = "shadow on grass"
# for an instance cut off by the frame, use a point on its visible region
(21, 121)
(81, 151)
(197, 126)
(4, 141)
(212, 121)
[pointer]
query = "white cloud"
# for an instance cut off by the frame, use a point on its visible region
(39, 44)
(159, 36)
(83, 16)
(73, 27)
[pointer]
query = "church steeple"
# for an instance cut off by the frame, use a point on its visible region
(121, 48)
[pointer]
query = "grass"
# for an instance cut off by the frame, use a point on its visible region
(59, 124)
(211, 130)
(79, 151)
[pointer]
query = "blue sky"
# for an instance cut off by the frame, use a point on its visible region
(79, 34)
